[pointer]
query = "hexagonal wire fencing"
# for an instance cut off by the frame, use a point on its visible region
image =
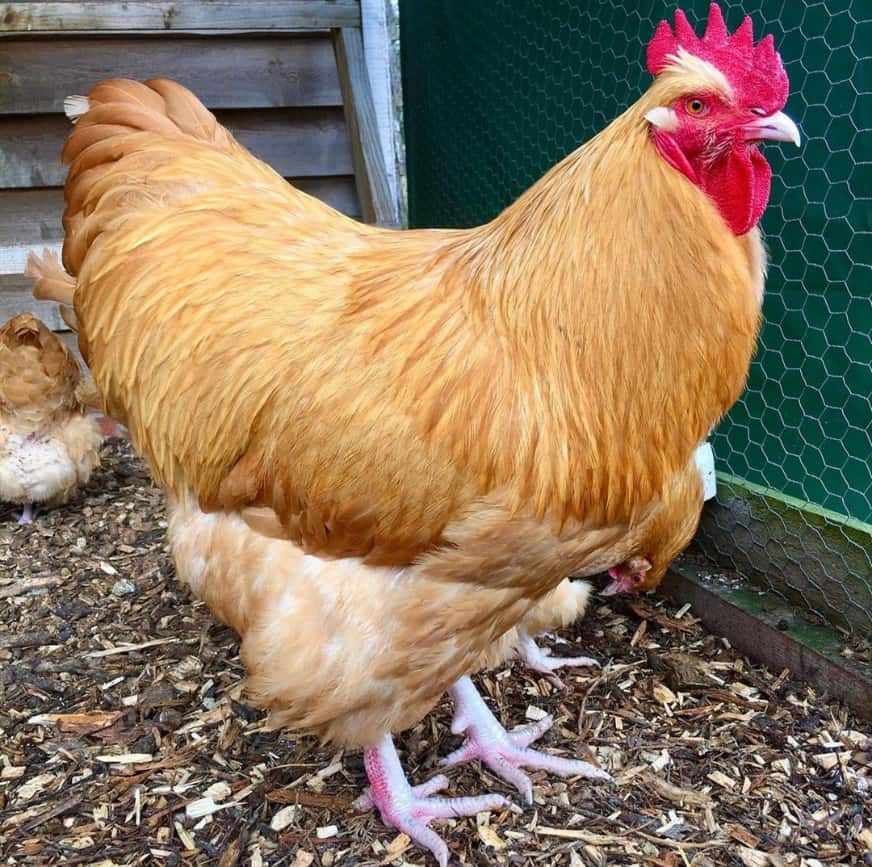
(496, 92)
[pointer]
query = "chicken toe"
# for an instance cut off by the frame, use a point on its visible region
(504, 752)
(26, 516)
(539, 660)
(410, 808)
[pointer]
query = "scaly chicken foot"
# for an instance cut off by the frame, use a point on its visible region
(539, 659)
(26, 516)
(504, 752)
(410, 808)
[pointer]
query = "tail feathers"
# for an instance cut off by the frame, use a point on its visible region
(125, 90)
(51, 282)
(188, 113)
(119, 106)
(116, 143)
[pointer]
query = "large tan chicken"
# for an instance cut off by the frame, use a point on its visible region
(48, 445)
(381, 448)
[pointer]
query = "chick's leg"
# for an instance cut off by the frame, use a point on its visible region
(539, 660)
(504, 752)
(410, 808)
(26, 516)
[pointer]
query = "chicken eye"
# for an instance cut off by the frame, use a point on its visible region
(695, 106)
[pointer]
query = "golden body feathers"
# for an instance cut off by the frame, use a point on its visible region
(397, 441)
(48, 446)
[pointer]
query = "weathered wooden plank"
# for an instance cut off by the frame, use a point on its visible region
(373, 189)
(296, 142)
(225, 72)
(338, 192)
(13, 258)
(30, 219)
(16, 297)
(30, 216)
(777, 638)
(379, 66)
(29, 151)
(33, 217)
(175, 16)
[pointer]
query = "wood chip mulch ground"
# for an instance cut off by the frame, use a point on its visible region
(125, 739)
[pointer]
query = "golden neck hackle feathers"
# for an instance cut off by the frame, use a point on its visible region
(612, 276)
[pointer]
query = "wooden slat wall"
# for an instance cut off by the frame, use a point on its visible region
(24, 16)
(279, 94)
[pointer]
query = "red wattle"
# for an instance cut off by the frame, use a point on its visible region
(739, 185)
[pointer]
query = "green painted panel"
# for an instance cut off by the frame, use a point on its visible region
(496, 91)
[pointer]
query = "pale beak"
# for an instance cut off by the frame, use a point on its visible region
(622, 582)
(776, 127)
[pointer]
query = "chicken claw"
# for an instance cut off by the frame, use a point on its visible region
(538, 659)
(504, 752)
(410, 808)
(26, 516)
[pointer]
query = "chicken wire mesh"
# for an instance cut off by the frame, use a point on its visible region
(496, 92)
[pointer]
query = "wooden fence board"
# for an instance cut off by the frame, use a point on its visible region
(15, 297)
(13, 258)
(30, 216)
(226, 72)
(296, 142)
(174, 16)
(33, 217)
(777, 637)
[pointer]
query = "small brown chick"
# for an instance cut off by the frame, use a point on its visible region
(48, 445)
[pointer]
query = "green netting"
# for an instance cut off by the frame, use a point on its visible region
(497, 91)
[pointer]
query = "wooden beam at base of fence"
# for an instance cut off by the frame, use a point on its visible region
(808, 558)
(767, 630)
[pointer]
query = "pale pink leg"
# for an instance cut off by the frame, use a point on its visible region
(26, 516)
(538, 659)
(505, 753)
(410, 808)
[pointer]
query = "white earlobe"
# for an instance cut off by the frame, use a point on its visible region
(663, 118)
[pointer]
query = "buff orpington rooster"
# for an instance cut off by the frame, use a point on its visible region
(382, 449)
(48, 444)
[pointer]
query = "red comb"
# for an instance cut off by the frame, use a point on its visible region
(755, 72)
